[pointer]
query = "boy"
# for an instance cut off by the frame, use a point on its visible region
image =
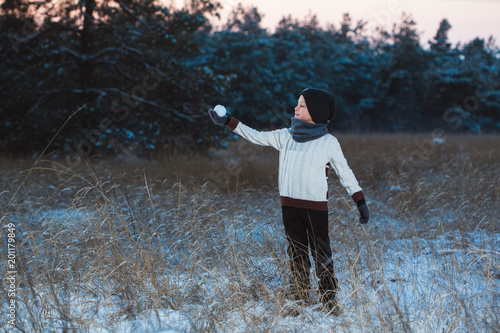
(306, 152)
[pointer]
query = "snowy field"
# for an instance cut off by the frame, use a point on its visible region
(195, 243)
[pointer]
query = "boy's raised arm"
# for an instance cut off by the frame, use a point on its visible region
(265, 138)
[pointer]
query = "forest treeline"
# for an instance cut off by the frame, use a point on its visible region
(130, 74)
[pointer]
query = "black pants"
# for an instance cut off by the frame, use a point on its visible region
(308, 229)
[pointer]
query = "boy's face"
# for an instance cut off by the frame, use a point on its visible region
(301, 111)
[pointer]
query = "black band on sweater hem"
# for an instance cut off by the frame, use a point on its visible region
(305, 204)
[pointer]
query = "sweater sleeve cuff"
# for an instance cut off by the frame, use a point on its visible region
(232, 123)
(358, 196)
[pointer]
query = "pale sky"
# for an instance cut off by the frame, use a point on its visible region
(469, 18)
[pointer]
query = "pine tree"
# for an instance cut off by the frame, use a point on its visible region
(440, 41)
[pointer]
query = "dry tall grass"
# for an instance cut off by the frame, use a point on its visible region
(195, 243)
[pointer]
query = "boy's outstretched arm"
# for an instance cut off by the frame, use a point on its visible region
(264, 138)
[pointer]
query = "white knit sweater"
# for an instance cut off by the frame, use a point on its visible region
(303, 181)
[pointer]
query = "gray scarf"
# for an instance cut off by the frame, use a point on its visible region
(303, 131)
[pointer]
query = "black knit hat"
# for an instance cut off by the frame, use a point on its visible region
(320, 104)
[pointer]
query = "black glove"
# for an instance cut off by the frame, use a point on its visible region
(364, 212)
(216, 119)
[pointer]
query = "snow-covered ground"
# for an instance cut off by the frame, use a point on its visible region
(449, 283)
